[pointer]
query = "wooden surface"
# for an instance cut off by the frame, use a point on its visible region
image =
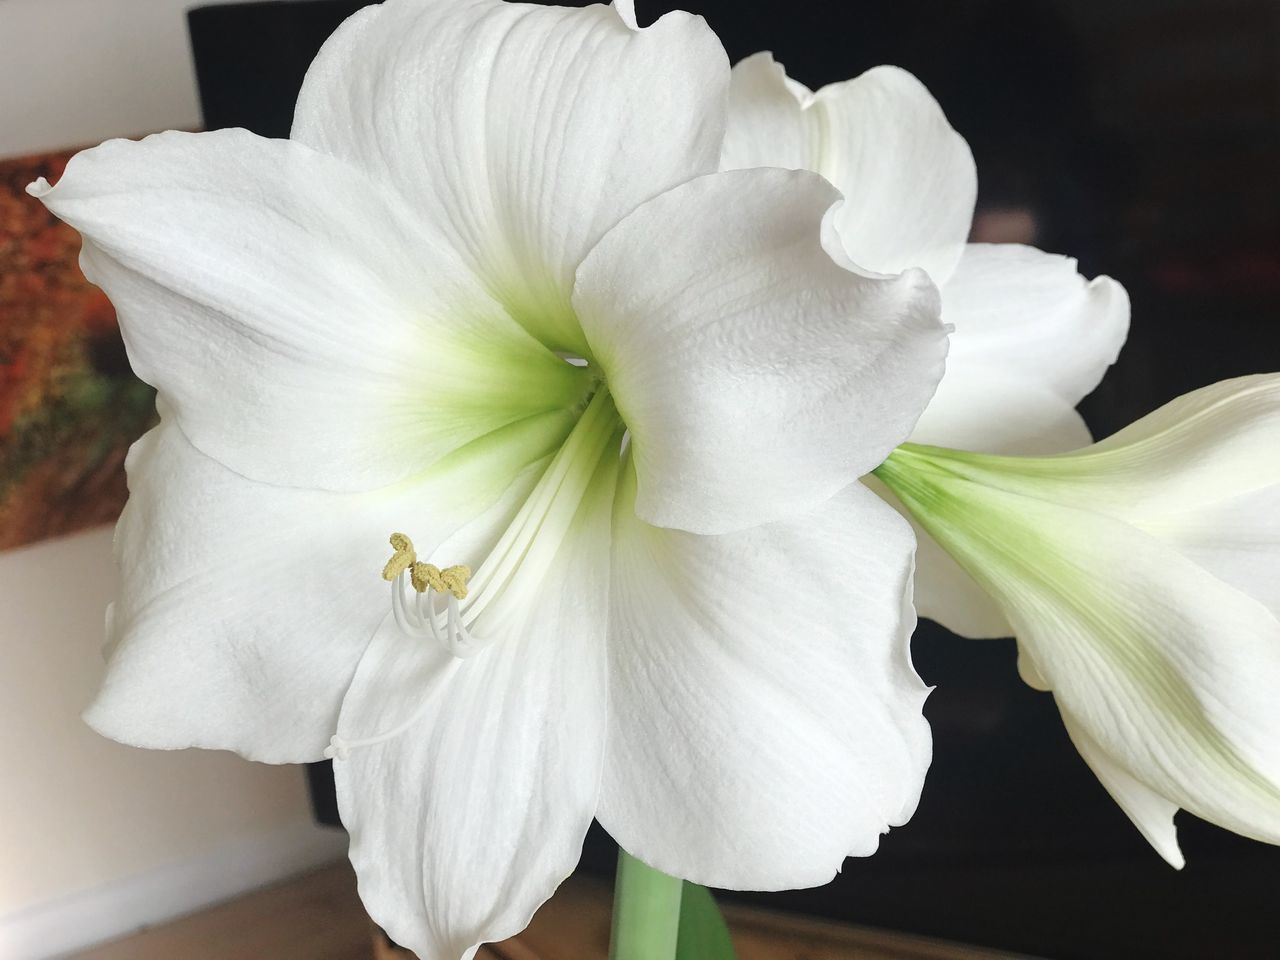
(319, 917)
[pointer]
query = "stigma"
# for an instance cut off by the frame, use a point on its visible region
(416, 604)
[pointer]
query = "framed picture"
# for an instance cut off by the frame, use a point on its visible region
(69, 404)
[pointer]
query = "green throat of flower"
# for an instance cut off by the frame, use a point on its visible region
(975, 521)
(444, 605)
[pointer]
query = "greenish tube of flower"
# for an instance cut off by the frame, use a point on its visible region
(1141, 578)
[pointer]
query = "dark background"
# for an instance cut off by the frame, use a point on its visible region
(1143, 137)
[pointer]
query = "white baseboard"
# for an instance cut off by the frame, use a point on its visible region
(80, 920)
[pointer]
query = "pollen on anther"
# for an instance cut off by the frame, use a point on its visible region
(403, 558)
(455, 579)
(427, 576)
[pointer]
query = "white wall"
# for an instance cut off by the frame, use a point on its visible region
(74, 72)
(96, 838)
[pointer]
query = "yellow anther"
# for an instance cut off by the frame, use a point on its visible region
(427, 576)
(455, 579)
(402, 559)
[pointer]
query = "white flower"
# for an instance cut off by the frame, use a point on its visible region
(1141, 576)
(368, 328)
(1031, 337)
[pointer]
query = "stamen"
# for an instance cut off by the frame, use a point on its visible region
(402, 559)
(422, 619)
(427, 576)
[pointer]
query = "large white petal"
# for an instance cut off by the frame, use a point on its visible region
(245, 607)
(467, 820)
(303, 328)
(998, 409)
(626, 9)
(768, 123)
(1170, 671)
(527, 131)
(765, 720)
(1032, 337)
(1212, 444)
(756, 375)
(1237, 539)
(881, 138)
(1205, 447)
(1151, 813)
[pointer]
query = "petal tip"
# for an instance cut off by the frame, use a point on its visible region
(39, 188)
(98, 716)
(626, 11)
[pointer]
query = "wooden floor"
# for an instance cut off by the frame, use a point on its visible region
(319, 917)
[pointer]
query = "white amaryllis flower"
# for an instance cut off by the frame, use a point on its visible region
(1141, 576)
(1032, 337)
(495, 243)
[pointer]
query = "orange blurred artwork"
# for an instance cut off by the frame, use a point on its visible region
(69, 404)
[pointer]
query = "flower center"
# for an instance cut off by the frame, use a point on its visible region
(462, 612)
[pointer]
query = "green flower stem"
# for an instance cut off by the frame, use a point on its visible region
(646, 912)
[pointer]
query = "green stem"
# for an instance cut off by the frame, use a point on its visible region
(646, 912)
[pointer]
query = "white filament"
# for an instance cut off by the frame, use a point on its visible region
(421, 620)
